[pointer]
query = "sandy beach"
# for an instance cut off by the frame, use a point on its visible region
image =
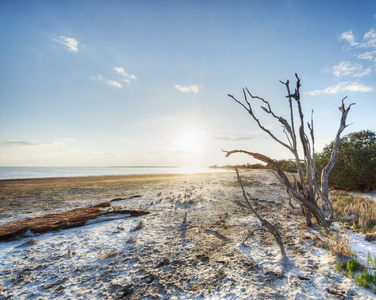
(159, 256)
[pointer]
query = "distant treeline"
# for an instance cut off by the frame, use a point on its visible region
(245, 166)
(287, 166)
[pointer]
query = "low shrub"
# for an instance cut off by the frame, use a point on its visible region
(355, 168)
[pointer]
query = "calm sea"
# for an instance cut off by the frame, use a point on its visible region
(48, 172)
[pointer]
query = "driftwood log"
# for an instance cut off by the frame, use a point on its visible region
(63, 220)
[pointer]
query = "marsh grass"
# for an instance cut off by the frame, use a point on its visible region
(363, 208)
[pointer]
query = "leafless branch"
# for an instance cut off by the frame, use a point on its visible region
(264, 223)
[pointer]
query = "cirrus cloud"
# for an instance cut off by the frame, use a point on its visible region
(187, 89)
(26, 143)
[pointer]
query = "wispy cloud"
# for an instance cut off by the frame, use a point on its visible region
(370, 56)
(114, 84)
(126, 77)
(232, 138)
(70, 43)
(343, 87)
(98, 77)
(346, 68)
(368, 41)
(4, 143)
(187, 89)
(349, 37)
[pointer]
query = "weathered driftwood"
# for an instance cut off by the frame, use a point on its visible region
(68, 219)
(125, 198)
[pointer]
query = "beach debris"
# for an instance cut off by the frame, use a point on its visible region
(163, 262)
(138, 227)
(185, 220)
(63, 220)
(30, 242)
(370, 237)
(125, 198)
(127, 291)
(70, 252)
(131, 240)
(218, 235)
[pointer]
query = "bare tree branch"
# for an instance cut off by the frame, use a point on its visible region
(325, 172)
(264, 223)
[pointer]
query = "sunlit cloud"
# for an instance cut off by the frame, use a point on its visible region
(70, 43)
(343, 87)
(126, 77)
(187, 89)
(114, 83)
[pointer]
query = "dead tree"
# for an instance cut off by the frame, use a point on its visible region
(305, 190)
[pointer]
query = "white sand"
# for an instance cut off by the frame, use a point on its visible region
(169, 260)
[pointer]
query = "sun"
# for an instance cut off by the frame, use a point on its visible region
(191, 143)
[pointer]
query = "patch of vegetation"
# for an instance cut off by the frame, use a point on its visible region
(287, 166)
(365, 278)
(339, 246)
(355, 168)
(345, 204)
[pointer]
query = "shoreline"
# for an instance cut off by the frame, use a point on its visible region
(105, 177)
(67, 172)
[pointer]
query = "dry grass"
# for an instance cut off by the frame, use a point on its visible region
(339, 246)
(363, 208)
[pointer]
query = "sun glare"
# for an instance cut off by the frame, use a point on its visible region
(191, 143)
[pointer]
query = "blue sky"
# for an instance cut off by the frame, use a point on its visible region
(106, 83)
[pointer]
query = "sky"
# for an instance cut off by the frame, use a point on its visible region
(146, 83)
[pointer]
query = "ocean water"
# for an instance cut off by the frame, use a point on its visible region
(50, 172)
